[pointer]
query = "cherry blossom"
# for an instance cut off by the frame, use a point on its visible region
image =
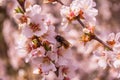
(84, 9)
(48, 50)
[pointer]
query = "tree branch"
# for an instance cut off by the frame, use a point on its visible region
(94, 36)
(60, 2)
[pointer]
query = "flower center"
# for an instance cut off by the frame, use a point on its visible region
(46, 60)
(71, 16)
(65, 70)
(35, 27)
(111, 43)
(23, 19)
(81, 14)
(28, 47)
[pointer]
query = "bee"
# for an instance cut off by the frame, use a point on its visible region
(36, 41)
(63, 42)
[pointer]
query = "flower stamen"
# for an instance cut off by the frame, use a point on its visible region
(35, 27)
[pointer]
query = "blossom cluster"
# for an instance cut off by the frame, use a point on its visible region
(85, 12)
(43, 47)
(110, 57)
(47, 51)
(81, 9)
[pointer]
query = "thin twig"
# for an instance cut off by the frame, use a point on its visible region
(81, 23)
(99, 40)
(60, 2)
(94, 37)
(22, 4)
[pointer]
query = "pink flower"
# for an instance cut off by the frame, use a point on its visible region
(63, 56)
(89, 12)
(33, 10)
(50, 34)
(102, 63)
(65, 11)
(116, 63)
(36, 27)
(44, 63)
(113, 39)
(32, 22)
(67, 72)
(84, 9)
(22, 47)
(39, 52)
(111, 58)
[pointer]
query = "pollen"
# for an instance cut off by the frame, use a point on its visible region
(111, 42)
(23, 19)
(35, 27)
(28, 47)
(81, 14)
(71, 16)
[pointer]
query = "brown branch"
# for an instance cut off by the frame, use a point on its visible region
(60, 2)
(94, 36)
(81, 23)
(99, 40)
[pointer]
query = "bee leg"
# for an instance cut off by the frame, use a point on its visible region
(59, 46)
(45, 52)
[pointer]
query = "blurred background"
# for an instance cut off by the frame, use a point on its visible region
(13, 67)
